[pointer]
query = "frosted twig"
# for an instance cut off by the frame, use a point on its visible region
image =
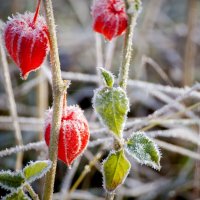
(89, 78)
(177, 149)
(157, 68)
(100, 141)
(12, 104)
(181, 133)
(36, 124)
(175, 104)
(164, 109)
(36, 146)
(185, 95)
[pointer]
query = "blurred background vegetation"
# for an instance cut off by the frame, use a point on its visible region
(165, 60)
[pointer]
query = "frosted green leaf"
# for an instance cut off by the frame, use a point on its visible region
(115, 170)
(107, 76)
(10, 180)
(19, 195)
(112, 105)
(36, 170)
(144, 150)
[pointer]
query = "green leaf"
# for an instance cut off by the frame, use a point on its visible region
(144, 150)
(19, 195)
(107, 76)
(36, 170)
(115, 170)
(11, 180)
(112, 105)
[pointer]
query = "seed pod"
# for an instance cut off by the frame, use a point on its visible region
(109, 18)
(74, 133)
(26, 40)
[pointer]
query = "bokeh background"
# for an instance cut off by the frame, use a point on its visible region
(163, 92)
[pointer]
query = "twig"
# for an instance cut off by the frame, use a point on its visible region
(190, 48)
(89, 78)
(178, 106)
(36, 146)
(86, 170)
(157, 68)
(12, 104)
(177, 149)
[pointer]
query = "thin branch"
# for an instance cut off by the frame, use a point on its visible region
(12, 104)
(31, 146)
(177, 149)
(191, 47)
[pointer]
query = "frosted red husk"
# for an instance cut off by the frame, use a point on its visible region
(109, 18)
(26, 41)
(74, 133)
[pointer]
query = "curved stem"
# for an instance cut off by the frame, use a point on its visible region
(32, 193)
(59, 87)
(11, 102)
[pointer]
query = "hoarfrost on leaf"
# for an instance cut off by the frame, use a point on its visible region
(107, 77)
(144, 150)
(36, 170)
(19, 195)
(11, 180)
(112, 105)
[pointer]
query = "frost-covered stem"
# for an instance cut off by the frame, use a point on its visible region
(12, 104)
(127, 50)
(32, 193)
(110, 196)
(59, 88)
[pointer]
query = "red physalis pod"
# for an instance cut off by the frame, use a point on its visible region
(74, 133)
(26, 40)
(109, 18)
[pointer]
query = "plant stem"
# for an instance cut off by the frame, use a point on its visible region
(110, 196)
(37, 11)
(12, 104)
(127, 50)
(59, 88)
(32, 193)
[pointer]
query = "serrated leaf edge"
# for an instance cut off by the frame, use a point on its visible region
(102, 171)
(13, 174)
(101, 119)
(150, 164)
(10, 194)
(30, 180)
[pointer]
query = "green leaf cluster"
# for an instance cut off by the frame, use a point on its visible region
(112, 105)
(15, 181)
